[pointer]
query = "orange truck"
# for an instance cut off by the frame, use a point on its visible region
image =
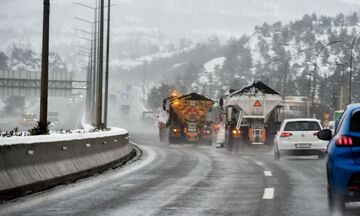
(187, 118)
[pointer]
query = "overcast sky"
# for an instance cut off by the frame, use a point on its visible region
(169, 19)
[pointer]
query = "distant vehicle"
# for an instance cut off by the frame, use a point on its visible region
(343, 163)
(125, 103)
(252, 115)
(295, 106)
(28, 119)
(299, 137)
(53, 117)
(148, 117)
(75, 97)
(128, 88)
(187, 118)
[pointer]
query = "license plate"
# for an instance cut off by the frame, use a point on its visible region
(192, 127)
(302, 145)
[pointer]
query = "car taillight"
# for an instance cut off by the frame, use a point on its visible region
(286, 134)
(353, 188)
(315, 134)
(344, 141)
(206, 131)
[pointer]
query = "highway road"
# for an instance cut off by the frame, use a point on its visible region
(187, 179)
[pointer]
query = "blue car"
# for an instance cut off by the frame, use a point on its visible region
(343, 162)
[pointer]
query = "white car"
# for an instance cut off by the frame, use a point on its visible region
(299, 137)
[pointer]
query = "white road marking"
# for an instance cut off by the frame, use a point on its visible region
(259, 163)
(268, 193)
(246, 157)
(267, 173)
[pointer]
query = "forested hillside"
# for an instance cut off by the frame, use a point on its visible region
(273, 51)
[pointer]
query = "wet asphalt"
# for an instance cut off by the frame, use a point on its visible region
(191, 179)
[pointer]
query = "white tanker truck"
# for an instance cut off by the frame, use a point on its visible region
(252, 115)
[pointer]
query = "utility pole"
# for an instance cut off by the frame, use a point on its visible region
(45, 68)
(107, 66)
(99, 91)
(95, 62)
(89, 86)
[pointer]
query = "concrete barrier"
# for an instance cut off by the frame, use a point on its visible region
(30, 167)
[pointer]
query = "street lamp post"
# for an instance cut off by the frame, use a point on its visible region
(351, 67)
(89, 82)
(94, 48)
(314, 74)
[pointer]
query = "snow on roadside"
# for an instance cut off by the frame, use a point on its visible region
(55, 137)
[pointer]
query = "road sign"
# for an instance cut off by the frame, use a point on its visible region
(257, 104)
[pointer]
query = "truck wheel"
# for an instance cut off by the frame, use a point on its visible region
(236, 144)
(171, 140)
(161, 137)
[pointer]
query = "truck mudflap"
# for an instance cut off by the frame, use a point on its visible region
(257, 136)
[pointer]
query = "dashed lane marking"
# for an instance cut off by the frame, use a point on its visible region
(267, 173)
(269, 193)
(259, 163)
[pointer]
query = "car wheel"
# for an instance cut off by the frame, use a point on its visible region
(322, 155)
(277, 155)
(335, 202)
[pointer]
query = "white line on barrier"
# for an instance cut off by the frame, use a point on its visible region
(268, 193)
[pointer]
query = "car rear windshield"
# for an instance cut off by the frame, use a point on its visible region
(302, 126)
(355, 122)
